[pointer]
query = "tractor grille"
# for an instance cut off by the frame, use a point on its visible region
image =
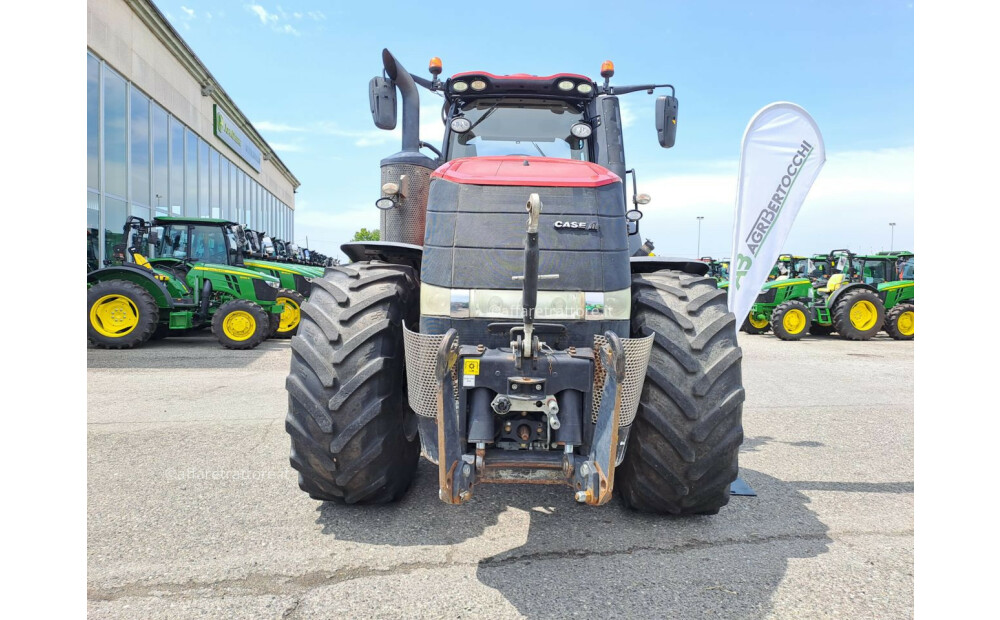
(404, 223)
(421, 359)
(636, 361)
(767, 297)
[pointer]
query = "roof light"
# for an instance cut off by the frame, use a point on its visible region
(459, 87)
(607, 69)
(565, 85)
(434, 66)
(478, 84)
(581, 130)
(585, 88)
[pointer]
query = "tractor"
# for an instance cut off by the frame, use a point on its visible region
(892, 273)
(789, 279)
(179, 274)
(503, 325)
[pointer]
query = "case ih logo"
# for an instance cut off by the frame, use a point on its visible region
(576, 225)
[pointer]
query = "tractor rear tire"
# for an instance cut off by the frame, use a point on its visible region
(762, 327)
(291, 316)
(859, 315)
(120, 314)
(240, 324)
(347, 407)
(791, 320)
(899, 322)
(684, 444)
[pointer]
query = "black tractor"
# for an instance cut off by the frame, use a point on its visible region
(503, 326)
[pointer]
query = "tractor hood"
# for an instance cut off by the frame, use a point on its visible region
(784, 283)
(525, 171)
(302, 270)
(234, 271)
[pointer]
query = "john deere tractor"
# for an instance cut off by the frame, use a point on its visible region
(182, 274)
(790, 279)
(503, 326)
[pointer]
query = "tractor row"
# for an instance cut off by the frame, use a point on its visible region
(173, 275)
(854, 295)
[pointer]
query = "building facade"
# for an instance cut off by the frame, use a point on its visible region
(164, 138)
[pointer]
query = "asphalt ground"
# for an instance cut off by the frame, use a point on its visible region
(193, 510)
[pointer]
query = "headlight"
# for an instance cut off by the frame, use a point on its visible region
(609, 305)
(581, 130)
(478, 85)
(459, 87)
(435, 300)
(460, 124)
(585, 88)
(565, 85)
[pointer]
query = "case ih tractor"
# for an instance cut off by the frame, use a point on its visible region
(502, 325)
(176, 275)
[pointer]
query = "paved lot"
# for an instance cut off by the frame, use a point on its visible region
(193, 510)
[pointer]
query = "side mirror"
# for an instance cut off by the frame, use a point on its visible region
(666, 120)
(152, 238)
(382, 97)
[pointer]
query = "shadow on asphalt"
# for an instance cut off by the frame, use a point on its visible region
(195, 349)
(752, 444)
(607, 560)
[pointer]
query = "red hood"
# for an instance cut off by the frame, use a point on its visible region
(539, 172)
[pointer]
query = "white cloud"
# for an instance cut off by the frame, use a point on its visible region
(262, 13)
(850, 205)
(288, 29)
(288, 148)
(316, 16)
(188, 12)
(276, 127)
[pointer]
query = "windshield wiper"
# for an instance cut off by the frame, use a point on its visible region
(539, 149)
(485, 116)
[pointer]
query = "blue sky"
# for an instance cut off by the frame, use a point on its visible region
(299, 70)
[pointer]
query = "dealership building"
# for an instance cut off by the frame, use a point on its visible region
(164, 138)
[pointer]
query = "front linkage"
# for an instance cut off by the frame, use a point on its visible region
(529, 378)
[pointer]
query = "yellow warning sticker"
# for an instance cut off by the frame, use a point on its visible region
(471, 367)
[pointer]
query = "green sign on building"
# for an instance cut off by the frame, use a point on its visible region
(227, 131)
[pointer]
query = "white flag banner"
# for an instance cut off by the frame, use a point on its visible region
(782, 154)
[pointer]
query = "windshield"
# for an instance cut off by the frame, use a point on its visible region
(205, 244)
(872, 271)
(906, 269)
(513, 126)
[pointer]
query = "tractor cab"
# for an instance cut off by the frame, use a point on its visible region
(179, 243)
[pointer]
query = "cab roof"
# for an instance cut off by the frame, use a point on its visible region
(169, 219)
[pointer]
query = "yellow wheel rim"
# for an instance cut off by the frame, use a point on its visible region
(905, 323)
(863, 315)
(794, 321)
(758, 323)
(239, 325)
(114, 316)
(290, 316)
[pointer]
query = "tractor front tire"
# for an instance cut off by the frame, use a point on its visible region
(348, 412)
(755, 326)
(791, 320)
(240, 324)
(120, 314)
(291, 316)
(899, 322)
(859, 315)
(684, 444)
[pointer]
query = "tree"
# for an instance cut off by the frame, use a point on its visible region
(367, 235)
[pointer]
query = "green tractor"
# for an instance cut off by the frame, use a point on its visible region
(296, 279)
(179, 274)
(791, 278)
(896, 291)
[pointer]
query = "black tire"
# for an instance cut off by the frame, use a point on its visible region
(791, 320)
(252, 329)
(750, 328)
(348, 413)
(124, 311)
(162, 331)
(291, 316)
(274, 322)
(820, 330)
(893, 327)
(852, 300)
(683, 448)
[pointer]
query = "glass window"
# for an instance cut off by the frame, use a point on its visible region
(173, 241)
(176, 167)
(202, 178)
(115, 134)
(213, 187)
(161, 154)
(224, 188)
(247, 200)
(140, 211)
(190, 173)
(114, 221)
(139, 141)
(93, 231)
(519, 127)
(208, 245)
(93, 122)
